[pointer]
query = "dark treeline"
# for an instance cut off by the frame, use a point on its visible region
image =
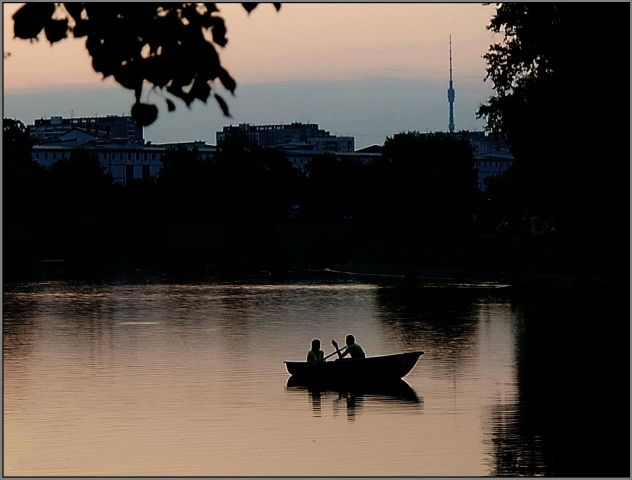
(415, 205)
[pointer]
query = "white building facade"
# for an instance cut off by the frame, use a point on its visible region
(125, 160)
(492, 157)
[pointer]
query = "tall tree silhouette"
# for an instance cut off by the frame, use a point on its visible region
(561, 80)
(172, 46)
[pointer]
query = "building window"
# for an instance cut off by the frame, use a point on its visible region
(129, 171)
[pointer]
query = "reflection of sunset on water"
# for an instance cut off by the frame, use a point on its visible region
(188, 380)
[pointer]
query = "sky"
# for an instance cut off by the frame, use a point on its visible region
(367, 70)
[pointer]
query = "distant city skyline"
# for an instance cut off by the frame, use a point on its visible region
(362, 70)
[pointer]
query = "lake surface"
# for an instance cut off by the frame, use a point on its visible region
(186, 378)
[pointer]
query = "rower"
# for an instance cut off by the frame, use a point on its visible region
(352, 348)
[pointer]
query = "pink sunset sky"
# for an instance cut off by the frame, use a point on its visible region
(368, 70)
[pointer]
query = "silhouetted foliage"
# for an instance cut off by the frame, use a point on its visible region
(562, 101)
(21, 177)
(238, 182)
(253, 182)
(16, 140)
(184, 185)
(51, 213)
(339, 189)
(79, 185)
(172, 46)
(325, 187)
(428, 179)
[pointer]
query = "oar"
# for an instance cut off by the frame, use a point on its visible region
(309, 364)
(338, 351)
(332, 353)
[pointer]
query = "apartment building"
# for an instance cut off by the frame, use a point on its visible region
(306, 136)
(115, 126)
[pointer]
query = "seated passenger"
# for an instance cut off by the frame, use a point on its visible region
(315, 354)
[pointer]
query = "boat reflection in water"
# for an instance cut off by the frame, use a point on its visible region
(392, 394)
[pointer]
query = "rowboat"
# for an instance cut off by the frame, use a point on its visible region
(379, 368)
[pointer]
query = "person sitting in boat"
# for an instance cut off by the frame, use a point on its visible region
(352, 348)
(315, 354)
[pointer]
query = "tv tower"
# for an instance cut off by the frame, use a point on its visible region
(451, 94)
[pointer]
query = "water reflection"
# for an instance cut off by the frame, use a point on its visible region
(573, 375)
(565, 411)
(191, 376)
(387, 396)
(515, 450)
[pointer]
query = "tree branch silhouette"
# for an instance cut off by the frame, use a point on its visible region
(171, 46)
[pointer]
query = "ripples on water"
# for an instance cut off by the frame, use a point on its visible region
(188, 380)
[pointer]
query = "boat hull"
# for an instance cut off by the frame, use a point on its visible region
(371, 369)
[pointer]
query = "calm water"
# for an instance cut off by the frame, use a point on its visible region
(187, 379)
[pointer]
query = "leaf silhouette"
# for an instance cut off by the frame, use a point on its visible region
(74, 9)
(56, 30)
(31, 18)
(249, 6)
(228, 81)
(80, 29)
(144, 113)
(200, 90)
(129, 77)
(222, 104)
(218, 32)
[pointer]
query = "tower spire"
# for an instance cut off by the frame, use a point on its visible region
(451, 94)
